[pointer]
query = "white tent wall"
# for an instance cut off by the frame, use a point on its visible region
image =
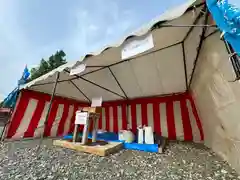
(218, 100)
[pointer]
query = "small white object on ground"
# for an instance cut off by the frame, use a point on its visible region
(148, 135)
(140, 136)
(120, 136)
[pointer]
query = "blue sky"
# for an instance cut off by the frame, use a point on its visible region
(33, 29)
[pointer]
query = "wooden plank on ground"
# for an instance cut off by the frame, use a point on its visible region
(98, 148)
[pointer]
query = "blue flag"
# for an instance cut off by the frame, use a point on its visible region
(11, 99)
(24, 77)
(227, 17)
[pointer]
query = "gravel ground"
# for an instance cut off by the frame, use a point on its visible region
(180, 161)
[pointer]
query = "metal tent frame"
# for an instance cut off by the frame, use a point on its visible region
(203, 13)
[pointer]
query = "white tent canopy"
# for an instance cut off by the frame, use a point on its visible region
(166, 68)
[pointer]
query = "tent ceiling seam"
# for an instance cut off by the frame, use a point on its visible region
(134, 74)
(94, 66)
(159, 76)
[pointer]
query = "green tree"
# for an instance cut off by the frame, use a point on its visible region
(45, 66)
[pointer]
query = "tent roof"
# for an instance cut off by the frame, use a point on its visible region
(163, 69)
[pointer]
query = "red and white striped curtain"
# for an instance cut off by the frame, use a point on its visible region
(173, 116)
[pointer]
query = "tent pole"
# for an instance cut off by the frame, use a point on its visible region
(234, 59)
(189, 25)
(4, 129)
(185, 66)
(104, 67)
(80, 90)
(49, 109)
(94, 66)
(118, 82)
(102, 87)
(95, 84)
(130, 59)
(199, 47)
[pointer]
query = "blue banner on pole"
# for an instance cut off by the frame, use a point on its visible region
(24, 77)
(227, 18)
(11, 99)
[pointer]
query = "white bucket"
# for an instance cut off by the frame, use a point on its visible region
(149, 139)
(140, 136)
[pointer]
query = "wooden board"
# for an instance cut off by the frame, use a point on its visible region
(98, 148)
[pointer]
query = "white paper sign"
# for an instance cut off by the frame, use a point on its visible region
(78, 69)
(96, 102)
(137, 46)
(81, 117)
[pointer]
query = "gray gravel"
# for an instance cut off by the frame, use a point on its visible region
(181, 161)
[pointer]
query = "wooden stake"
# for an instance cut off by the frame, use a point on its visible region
(85, 131)
(95, 125)
(75, 133)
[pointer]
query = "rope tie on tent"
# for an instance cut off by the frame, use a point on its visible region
(203, 12)
(234, 58)
(232, 54)
(222, 34)
(194, 12)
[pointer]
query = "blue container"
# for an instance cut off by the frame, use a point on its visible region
(113, 137)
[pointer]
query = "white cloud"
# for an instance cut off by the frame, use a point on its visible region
(104, 25)
(1, 97)
(13, 46)
(88, 30)
(235, 2)
(93, 27)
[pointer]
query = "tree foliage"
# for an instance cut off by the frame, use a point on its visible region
(45, 66)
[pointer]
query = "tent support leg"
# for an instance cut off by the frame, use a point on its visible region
(49, 109)
(80, 90)
(3, 131)
(185, 66)
(118, 82)
(96, 84)
(234, 59)
(199, 47)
